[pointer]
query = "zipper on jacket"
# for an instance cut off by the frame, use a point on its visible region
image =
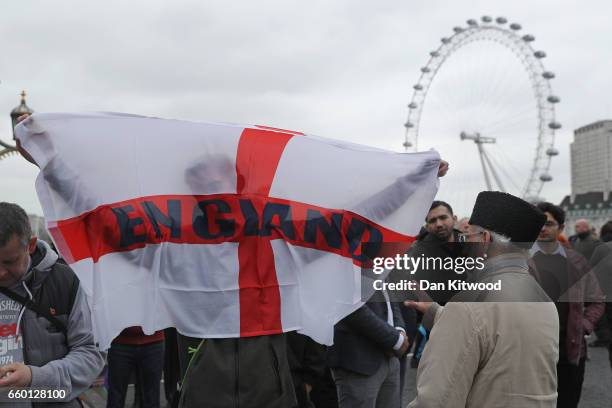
(22, 327)
(237, 379)
(276, 368)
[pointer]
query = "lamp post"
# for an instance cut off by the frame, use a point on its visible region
(22, 109)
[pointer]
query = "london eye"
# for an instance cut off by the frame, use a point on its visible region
(486, 84)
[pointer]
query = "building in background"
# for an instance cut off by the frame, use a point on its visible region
(591, 170)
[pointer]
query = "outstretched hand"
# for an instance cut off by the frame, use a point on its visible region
(423, 304)
(21, 150)
(443, 169)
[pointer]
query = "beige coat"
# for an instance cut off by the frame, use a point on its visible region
(487, 355)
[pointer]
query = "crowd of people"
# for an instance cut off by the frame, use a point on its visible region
(522, 347)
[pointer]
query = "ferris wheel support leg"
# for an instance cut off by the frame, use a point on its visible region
(484, 167)
(495, 175)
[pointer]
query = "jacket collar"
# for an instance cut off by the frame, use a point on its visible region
(501, 264)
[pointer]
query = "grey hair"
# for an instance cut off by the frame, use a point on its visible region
(499, 237)
(14, 222)
(495, 236)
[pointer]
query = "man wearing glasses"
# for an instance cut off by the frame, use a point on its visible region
(566, 277)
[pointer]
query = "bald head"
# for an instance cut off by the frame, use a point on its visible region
(582, 226)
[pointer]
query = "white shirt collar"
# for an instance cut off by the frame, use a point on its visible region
(559, 251)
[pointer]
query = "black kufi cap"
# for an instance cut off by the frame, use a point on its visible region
(509, 216)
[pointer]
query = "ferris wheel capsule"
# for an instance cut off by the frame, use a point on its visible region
(407, 144)
(486, 19)
(501, 20)
(458, 29)
(545, 177)
(551, 151)
(471, 22)
(553, 99)
(408, 125)
(445, 40)
(539, 54)
(554, 125)
(434, 54)
(548, 75)
(425, 70)
(412, 105)
(515, 26)
(418, 87)
(528, 38)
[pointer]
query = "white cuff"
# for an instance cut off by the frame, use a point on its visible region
(399, 342)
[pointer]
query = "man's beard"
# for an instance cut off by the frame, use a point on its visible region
(442, 235)
(583, 235)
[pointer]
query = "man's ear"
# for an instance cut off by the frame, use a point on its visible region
(32, 245)
(455, 218)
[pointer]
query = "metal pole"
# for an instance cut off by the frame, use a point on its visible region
(484, 168)
(495, 176)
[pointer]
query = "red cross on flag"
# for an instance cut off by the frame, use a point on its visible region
(219, 230)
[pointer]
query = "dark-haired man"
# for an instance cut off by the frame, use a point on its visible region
(437, 241)
(440, 222)
(566, 277)
(46, 321)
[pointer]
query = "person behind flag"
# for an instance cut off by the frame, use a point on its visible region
(495, 348)
(133, 352)
(46, 320)
(218, 372)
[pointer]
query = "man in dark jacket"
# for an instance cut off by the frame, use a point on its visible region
(52, 347)
(566, 277)
(439, 240)
(364, 357)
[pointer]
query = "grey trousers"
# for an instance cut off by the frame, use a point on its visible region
(380, 390)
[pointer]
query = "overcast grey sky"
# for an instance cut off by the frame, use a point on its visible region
(336, 68)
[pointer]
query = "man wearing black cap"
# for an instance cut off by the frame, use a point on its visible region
(495, 348)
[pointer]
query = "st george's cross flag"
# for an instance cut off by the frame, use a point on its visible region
(216, 229)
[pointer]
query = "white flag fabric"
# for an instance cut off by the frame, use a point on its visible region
(219, 230)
